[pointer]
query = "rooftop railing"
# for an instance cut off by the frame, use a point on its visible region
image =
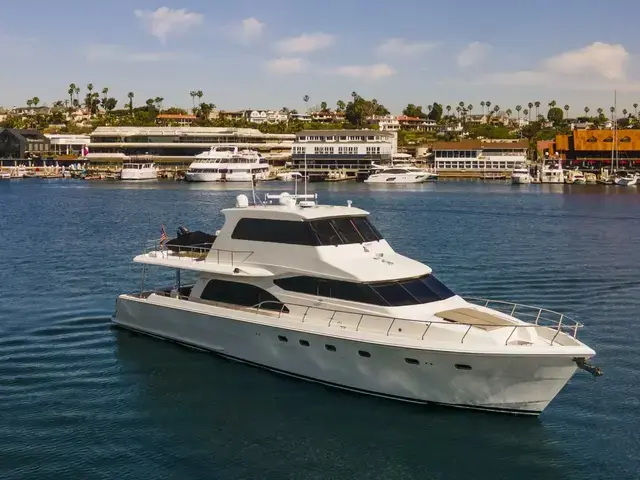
(198, 252)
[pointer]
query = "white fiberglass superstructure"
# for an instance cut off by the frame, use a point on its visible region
(315, 292)
(520, 175)
(139, 171)
(227, 164)
(396, 174)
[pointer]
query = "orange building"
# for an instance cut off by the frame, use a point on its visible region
(593, 149)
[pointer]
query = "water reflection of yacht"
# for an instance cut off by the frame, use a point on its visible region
(316, 292)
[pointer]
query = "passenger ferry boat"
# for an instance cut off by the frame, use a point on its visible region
(138, 171)
(316, 292)
(227, 164)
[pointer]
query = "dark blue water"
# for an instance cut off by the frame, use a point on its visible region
(81, 400)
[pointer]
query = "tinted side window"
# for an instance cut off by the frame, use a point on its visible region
(275, 231)
(237, 293)
(347, 230)
(437, 287)
(308, 285)
(366, 229)
(395, 294)
(325, 232)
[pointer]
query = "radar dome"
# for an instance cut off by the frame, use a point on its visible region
(242, 201)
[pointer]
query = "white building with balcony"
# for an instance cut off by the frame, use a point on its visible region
(347, 150)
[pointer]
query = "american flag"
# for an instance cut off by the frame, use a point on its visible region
(163, 235)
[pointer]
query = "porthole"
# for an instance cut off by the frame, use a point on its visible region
(412, 361)
(364, 354)
(282, 338)
(304, 343)
(331, 348)
(461, 366)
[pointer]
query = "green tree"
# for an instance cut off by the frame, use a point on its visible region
(323, 106)
(435, 113)
(482, 105)
(35, 101)
(130, 96)
(158, 102)
(586, 111)
(341, 106)
(412, 110)
(635, 109)
(566, 109)
(71, 92)
(555, 115)
(358, 109)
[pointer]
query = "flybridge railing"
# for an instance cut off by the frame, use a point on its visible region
(402, 327)
(198, 252)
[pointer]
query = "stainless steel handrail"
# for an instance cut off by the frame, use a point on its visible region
(195, 252)
(569, 330)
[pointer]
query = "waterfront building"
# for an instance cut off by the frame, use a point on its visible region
(475, 157)
(346, 150)
(594, 149)
(266, 116)
(416, 123)
(175, 119)
(22, 144)
(178, 145)
(66, 144)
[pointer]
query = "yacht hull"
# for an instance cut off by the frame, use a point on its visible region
(139, 174)
(391, 178)
(520, 179)
(222, 177)
(519, 384)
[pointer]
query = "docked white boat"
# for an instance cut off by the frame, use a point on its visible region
(228, 164)
(626, 179)
(398, 175)
(574, 177)
(520, 175)
(552, 173)
(139, 171)
(315, 292)
(288, 176)
(5, 176)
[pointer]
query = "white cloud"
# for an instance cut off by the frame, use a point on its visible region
(399, 46)
(165, 21)
(106, 53)
(252, 28)
(287, 65)
(305, 43)
(473, 54)
(606, 60)
(372, 72)
(599, 66)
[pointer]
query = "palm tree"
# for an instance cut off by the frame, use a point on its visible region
(130, 95)
(448, 108)
(624, 112)
(323, 106)
(537, 105)
(193, 98)
(586, 111)
(90, 87)
(105, 92)
(518, 108)
(199, 94)
(482, 105)
(469, 108)
(341, 106)
(488, 105)
(525, 112)
(305, 99)
(508, 112)
(635, 108)
(496, 108)
(600, 111)
(458, 110)
(552, 104)
(35, 101)
(158, 101)
(530, 105)
(71, 91)
(566, 109)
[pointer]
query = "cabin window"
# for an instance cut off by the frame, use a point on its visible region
(274, 231)
(333, 231)
(244, 294)
(412, 361)
(330, 348)
(396, 293)
(282, 338)
(364, 354)
(304, 343)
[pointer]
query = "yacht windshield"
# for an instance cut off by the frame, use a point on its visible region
(344, 230)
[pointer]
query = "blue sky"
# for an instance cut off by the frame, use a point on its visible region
(270, 53)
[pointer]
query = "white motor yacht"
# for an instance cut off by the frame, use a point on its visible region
(626, 179)
(315, 292)
(520, 175)
(228, 164)
(398, 175)
(139, 171)
(574, 177)
(552, 173)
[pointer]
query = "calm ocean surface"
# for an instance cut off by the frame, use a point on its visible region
(81, 400)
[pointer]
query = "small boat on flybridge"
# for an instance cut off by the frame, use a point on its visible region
(316, 292)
